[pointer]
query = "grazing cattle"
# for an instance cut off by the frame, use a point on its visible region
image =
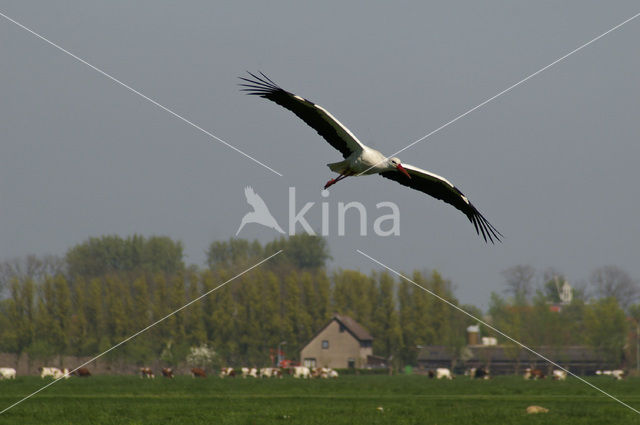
(266, 372)
(617, 374)
(443, 373)
(64, 373)
(167, 372)
(324, 372)
(559, 375)
(7, 373)
(301, 372)
(53, 372)
(478, 373)
(253, 372)
(270, 372)
(227, 371)
(533, 374)
(196, 372)
(431, 373)
(146, 372)
(83, 372)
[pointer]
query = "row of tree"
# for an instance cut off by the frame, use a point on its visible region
(106, 289)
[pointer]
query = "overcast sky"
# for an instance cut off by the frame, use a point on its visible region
(552, 164)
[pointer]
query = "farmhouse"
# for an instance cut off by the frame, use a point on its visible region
(341, 343)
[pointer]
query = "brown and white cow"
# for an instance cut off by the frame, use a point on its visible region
(227, 371)
(53, 372)
(559, 375)
(533, 374)
(246, 371)
(167, 372)
(301, 372)
(196, 372)
(146, 372)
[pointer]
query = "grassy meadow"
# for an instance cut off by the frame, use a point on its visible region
(346, 400)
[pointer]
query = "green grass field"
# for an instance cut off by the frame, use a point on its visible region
(347, 400)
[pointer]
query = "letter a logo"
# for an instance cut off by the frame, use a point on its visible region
(260, 213)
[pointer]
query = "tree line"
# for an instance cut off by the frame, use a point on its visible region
(108, 288)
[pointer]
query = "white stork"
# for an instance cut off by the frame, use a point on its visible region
(361, 159)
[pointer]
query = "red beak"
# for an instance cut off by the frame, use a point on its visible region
(402, 170)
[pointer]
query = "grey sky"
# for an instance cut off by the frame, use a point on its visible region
(552, 164)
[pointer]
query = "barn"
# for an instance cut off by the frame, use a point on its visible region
(341, 343)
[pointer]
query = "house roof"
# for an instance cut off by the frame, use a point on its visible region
(353, 327)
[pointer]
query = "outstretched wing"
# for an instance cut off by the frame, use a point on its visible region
(441, 188)
(254, 199)
(333, 131)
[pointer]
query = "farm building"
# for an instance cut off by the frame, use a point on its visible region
(509, 359)
(501, 359)
(341, 343)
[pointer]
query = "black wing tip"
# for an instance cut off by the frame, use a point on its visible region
(258, 85)
(485, 229)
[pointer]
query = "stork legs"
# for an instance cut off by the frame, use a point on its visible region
(336, 180)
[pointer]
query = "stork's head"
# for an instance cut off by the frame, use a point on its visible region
(394, 162)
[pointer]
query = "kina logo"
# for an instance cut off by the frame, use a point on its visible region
(260, 214)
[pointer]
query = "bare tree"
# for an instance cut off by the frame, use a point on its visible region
(29, 267)
(519, 282)
(612, 281)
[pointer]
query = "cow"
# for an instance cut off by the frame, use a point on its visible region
(559, 375)
(324, 372)
(227, 371)
(49, 371)
(146, 372)
(64, 373)
(253, 372)
(167, 372)
(82, 372)
(270, 372)
(196, 372)
(617, 374)
(478, 373)
(266, 372)
(443, 373)
(533, 374)
(301, 372)
(7, 373)
(431, 373)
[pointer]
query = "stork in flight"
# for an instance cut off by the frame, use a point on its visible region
(360, 159)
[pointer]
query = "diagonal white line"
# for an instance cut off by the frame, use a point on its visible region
(506, 90)
(131, 89)
(496, 330)
(143, 330)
